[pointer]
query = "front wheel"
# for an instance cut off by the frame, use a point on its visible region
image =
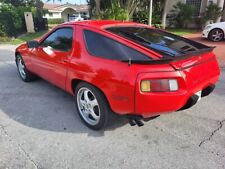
(216, 35)
(25, 75)
(92, 106)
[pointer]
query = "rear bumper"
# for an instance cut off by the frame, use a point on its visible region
(162, 104)
(191, 80)
(190, 102)
(194, 98)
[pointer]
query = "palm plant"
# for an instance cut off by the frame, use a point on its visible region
(182, 14)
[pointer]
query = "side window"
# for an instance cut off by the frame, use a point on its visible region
(60, 40)
(101, 46)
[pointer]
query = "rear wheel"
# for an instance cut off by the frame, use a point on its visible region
(92, 106)
(25, 75)
(216, 35)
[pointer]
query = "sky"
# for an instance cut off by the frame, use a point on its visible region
(69, 1)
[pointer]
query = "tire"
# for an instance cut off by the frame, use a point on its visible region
(216, 35)
(92, 106)
(24, 74)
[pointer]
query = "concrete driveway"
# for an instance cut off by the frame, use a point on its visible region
(39, 128)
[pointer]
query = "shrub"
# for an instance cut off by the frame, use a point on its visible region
(55, 21)
(212, 12)
(10, 20)
(182, 14)
(116, 12)
(141, 17)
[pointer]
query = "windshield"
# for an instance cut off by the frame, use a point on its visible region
(162, 42)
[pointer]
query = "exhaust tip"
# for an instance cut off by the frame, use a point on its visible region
(134, 122)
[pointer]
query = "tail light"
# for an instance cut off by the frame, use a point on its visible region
(159, 85)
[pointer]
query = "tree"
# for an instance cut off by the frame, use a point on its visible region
(53, 1)
(100, 6)
(97, 7)
(164, 13)
(220, 4)
(17, 3)
(116, 12)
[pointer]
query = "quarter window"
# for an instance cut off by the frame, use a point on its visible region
(102, 46)
(60, 40)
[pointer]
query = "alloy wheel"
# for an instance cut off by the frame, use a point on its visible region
(88, 106)
(21, 68)
(217, 35)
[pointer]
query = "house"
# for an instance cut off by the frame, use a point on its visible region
(199, 4)
(66, 11)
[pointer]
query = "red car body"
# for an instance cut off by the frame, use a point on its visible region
(120, 82)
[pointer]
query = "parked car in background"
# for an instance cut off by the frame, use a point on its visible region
(118, 67)
(77, 17)
(214, 32)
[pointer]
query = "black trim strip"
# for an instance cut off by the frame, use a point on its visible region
(169, 59)
(150, 62)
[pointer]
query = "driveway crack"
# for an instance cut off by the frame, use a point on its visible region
(212, 134)
(26, 154)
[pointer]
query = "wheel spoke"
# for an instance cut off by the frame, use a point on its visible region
(220, 34)
(93, 103)
(82, 102)
(86, 98)
(92, 113)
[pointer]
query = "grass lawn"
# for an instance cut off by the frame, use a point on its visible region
(182, 32)
(24, 38)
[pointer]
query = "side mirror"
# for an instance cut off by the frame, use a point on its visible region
(32, 44)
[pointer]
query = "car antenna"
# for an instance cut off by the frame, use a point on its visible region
(129, 62)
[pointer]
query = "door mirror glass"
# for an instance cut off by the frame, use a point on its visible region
(32, 44)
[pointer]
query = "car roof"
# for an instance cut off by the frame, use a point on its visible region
(100, 24)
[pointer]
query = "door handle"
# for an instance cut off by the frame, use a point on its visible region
(66, 59)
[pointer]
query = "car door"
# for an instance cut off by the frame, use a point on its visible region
(51, 58)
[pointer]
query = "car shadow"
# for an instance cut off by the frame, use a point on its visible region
(41, 105)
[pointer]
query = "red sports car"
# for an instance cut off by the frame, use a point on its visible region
(120, 67)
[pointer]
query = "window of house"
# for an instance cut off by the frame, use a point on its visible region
(50, 14)
(61, 39)
(196, 4)
(101, 46)
(56, 14)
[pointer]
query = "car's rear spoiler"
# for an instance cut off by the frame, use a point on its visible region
(169, 59)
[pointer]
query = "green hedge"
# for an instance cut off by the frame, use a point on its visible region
(11, 20)
(55, 21)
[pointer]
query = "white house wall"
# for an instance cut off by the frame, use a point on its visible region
(55, 15)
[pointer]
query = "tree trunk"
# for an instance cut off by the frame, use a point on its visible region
(220, 4)
(164, 15)
(97, 9)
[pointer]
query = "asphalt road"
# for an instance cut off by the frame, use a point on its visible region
(39, 128)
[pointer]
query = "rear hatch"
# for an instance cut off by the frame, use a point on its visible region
(194, 60)
(169, 47)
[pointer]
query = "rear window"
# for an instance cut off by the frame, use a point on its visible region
(162, 42)
(101, 46)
